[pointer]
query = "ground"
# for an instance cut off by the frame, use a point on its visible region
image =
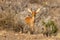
(9, 35)
(13, 13)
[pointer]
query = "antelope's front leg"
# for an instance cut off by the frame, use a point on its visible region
(31, 28)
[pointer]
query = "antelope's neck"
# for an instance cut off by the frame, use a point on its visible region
(33, 18)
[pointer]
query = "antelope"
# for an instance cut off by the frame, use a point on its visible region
(30, 20)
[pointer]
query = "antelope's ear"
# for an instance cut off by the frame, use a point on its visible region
(29, 10)
(38, 10)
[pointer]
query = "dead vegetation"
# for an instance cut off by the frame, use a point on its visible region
(14, 12)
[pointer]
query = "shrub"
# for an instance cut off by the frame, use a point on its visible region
(50, 27)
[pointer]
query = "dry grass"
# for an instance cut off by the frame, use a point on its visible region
(13, 13)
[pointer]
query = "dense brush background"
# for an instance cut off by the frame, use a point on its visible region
(13, 13)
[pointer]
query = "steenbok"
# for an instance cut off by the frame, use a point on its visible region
(29, 20)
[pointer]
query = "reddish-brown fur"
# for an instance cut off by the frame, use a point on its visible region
(30, 20)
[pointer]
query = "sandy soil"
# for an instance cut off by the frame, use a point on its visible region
(9, 35)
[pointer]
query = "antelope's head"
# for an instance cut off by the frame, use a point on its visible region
(34, 12)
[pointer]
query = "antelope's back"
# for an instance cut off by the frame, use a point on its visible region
(28, 20)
